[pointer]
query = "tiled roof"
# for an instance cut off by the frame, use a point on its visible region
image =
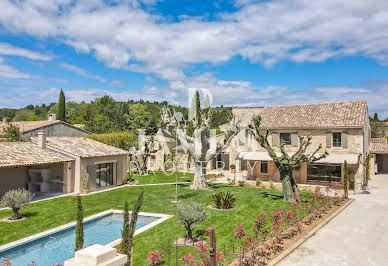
(321, 115)
(378, 145)
(80, 146)
(25, 126)
(14, 154)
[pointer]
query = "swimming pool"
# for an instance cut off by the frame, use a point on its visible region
(56, 247)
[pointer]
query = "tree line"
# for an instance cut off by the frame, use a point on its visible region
(106, 115)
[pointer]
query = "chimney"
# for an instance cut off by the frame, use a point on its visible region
(42, 139)
(52, 117)
(4, 119)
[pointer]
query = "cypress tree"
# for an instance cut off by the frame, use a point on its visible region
(125, 232)
(346, 182)
(198, 107)
(79, 229)
(61, 112)
(132, 225)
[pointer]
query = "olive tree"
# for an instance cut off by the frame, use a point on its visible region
(16, 199)
(140, 157)
(284, 162)
(202, 145)
(190, 214)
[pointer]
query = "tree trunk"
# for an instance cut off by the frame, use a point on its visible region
(16, 214)
(199, 176)
(290, 189)
(189, 233)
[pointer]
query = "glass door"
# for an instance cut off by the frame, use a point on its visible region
(104, 173)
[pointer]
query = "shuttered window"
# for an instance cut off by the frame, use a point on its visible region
(286, 137)
(337, 139)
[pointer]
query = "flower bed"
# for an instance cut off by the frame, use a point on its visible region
(264, 246)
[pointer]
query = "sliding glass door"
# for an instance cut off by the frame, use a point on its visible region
(104, 174)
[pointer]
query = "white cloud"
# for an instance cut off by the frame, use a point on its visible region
(117, 83)
(82, 72)
(127, 37)
(7, 71)
(7, 49)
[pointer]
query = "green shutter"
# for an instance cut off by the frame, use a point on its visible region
(344, 139)
(275, 139)
(328, 139)
(294, 139)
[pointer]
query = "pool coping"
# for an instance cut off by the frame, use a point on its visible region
(163, 217)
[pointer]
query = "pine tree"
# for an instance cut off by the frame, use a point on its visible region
(132, 225)
(346, 182)
(79, 229)
(61, 112)
(126, 249)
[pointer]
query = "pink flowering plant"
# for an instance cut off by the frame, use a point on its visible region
(155, 257)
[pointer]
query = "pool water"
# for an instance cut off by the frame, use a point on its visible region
(58, 247)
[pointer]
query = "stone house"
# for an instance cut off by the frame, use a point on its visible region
(51, 126)
(55, 165)
(342, 128)
(379, 151)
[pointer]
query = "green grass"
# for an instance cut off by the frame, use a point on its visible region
(161, 177)
(250, 203)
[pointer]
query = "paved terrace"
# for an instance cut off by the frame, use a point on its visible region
(357, 236)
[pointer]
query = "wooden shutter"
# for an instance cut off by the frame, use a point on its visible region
(294, 139)
(344, 139)
(275, 139)
(328, 139)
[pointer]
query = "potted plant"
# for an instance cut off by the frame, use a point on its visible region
(233, 168)
(84, 184)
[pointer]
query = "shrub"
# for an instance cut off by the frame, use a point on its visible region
(258, 182)
(155, 257)
(223, 199)
(231, 181)
(258, 227)
(240, 232)
(12, 133)
(79, 228)
(190, 214)
(241, 183)
(122, 140)
(16, 199)
(232, 166)
(271, 184)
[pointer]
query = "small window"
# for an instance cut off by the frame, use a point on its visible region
(264, 167)
(337, 139)
(286, 137)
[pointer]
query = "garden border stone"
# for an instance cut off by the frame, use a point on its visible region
(298, 243)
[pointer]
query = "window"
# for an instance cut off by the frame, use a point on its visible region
(286, 137)
(104, 174)
(244, 165)
(324, 172)
(337, 139)
(264, 167)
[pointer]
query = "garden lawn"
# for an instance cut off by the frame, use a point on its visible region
(158, 177)
(250, 203)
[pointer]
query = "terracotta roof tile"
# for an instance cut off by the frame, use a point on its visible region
(25, 126)
(26, 153)
(80, 146)
(378, 145)
(321, 115)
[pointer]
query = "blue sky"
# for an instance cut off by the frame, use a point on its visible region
(244, 52)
